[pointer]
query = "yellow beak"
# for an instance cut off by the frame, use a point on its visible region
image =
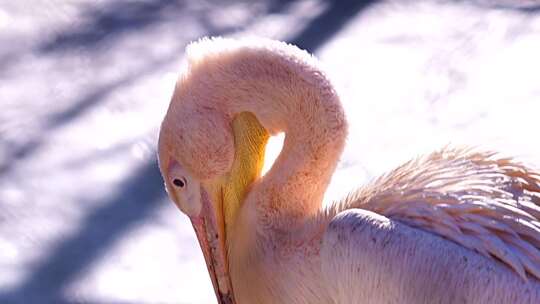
(222, 199)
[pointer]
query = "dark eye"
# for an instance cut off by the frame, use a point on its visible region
(179, 182)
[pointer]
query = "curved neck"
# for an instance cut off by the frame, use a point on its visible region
(297, 99)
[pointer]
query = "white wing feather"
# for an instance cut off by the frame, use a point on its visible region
(368, 258)
(478, 200)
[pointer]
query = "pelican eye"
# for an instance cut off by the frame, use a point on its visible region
(179, 182)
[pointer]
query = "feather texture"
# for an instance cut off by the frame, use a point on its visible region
(477, 199)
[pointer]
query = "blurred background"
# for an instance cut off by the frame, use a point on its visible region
(84, 86)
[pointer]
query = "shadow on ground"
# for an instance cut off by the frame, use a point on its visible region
(135, 200)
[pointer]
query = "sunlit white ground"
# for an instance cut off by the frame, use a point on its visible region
(79, 123)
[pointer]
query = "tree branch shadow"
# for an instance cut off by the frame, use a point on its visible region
(18, 153)
(135, 200)
(329, 23)
(108, 23)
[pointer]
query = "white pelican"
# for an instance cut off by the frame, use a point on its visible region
(456, 226)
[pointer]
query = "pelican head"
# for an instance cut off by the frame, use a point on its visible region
(208, 158)
(230, 98)
(206, 177)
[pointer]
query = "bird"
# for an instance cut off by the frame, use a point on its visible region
(459, 225)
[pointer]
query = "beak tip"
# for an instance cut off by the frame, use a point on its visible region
(215, 260)
(226, 299)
